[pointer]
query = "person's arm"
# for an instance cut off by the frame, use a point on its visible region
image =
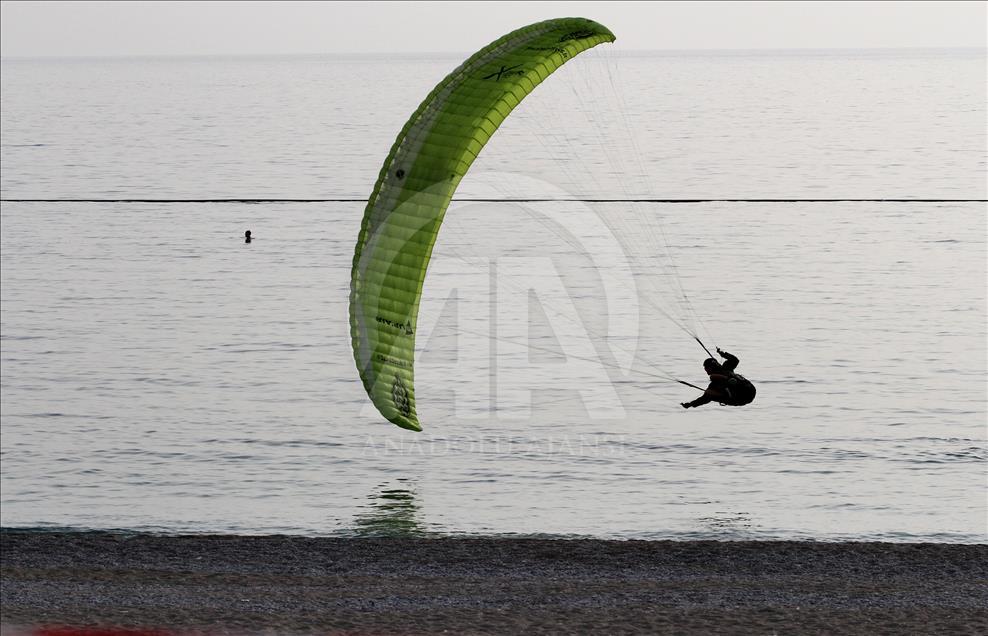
(700, 401)
(730, 362)
(708, 396)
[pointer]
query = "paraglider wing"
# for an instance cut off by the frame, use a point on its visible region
(432, 153)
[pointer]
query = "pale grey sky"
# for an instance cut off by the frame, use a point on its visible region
(232, 28)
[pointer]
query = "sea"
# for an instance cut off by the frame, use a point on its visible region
(819, 214)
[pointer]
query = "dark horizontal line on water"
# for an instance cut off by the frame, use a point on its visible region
(507, 200)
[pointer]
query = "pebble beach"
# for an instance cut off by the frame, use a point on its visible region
(107, 583)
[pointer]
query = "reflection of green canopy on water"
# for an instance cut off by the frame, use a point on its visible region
(431, 155)
(392, 512)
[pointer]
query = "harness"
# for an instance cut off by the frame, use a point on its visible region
(740, 391)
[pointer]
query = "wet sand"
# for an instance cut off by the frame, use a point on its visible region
(294, 585)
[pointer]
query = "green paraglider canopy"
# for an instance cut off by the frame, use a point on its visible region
(432, 153)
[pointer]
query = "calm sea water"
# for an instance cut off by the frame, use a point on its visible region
(160, 374)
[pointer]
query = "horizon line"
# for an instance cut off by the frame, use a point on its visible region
(455, 54)
(515, 200)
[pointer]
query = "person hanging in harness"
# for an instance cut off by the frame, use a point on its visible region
(726, 386)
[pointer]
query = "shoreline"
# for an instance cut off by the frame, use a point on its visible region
(295, 585)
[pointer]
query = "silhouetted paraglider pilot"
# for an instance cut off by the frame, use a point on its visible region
(247, 236)
(726, 386)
